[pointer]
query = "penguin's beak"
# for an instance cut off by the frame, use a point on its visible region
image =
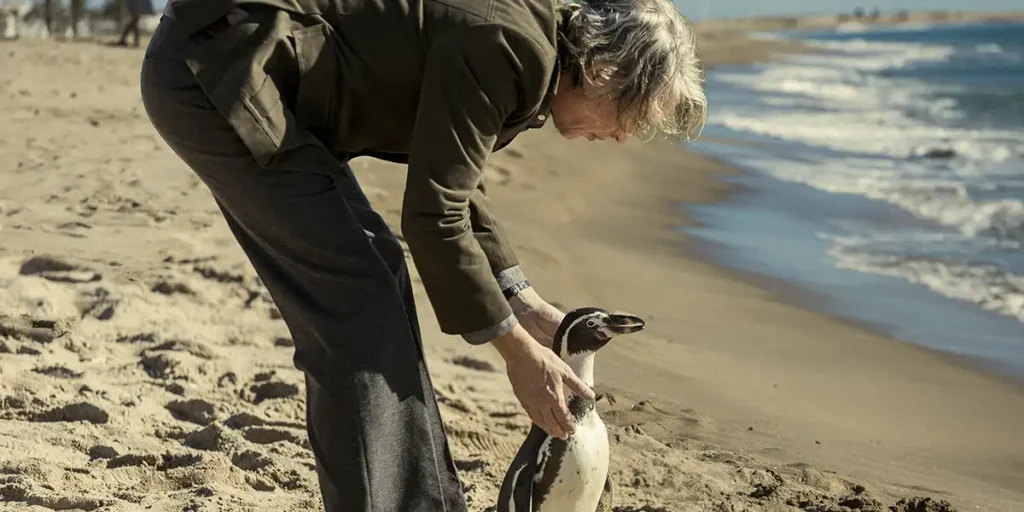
(624, 323)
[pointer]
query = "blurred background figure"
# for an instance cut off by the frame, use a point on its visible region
(45, 18)
(136, 9)
(10, 19)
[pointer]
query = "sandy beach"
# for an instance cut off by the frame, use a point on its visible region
(143, 367)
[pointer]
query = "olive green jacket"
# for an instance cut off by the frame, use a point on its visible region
(437, 84)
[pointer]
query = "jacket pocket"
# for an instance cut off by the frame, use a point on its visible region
(319, 65)
(264, 132)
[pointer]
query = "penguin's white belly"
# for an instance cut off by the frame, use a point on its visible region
(582, 472)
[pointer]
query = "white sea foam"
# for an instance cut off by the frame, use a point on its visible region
(988, 48)
(944, 199)
(881, 133)
(867, 127)
(843, 103)
(986, 285)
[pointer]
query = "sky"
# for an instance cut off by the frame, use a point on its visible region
(699, 9)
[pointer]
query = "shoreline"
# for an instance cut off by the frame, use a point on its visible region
(911, 18)
(802, 297)
(806, 295)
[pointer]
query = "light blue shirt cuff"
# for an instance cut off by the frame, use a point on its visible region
(506, 279)
(510, 277)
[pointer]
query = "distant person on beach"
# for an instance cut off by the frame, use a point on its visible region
(136, 10)
(268, 100)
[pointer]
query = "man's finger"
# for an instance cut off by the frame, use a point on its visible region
(551, 425)
(537, 416)
(564, 419)
(577, 385)
(562, 414)
(564, 422)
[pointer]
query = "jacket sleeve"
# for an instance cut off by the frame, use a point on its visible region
(473, 80)
(489, 233)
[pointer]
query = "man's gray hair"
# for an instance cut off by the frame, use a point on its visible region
(643, 54)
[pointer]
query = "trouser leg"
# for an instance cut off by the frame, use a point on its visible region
(340, 280)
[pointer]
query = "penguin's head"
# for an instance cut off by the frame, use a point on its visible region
(586, 330)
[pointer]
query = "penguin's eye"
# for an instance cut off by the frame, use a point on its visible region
(591, 323)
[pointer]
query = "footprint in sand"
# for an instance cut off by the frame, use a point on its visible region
(474, 364)
(97, 303)
(74, 226)
(27, 328)
(470, 465)
(242, 420)
(458, 404)
(482, 442)
(227, 379)
(251, 460)
(189, 261)
(214, 437)
(164, 462)
(6, 347)
(267, 388)
(168, 287)
(53, 501)
(101, 451)
(260, 294)
(81, 411)
(171, 359)
(160, 366)
(259, 483)
(143, 337)
(169, 461)
(221, 276)
(133, 459)
(269, 435)
(58, 371)
(194, 410)
(54, 269)
(196, 349)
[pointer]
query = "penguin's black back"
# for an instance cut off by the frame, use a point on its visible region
(516, 494)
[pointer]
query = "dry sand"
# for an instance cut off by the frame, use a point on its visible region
(142, 366)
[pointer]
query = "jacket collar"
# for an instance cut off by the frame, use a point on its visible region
(544, 110)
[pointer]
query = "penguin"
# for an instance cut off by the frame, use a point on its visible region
(552, 475)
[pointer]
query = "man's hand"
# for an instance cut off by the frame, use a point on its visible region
(537, 375)
(539, 318)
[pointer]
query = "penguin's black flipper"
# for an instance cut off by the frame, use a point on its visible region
(605, 503)
(516, 494)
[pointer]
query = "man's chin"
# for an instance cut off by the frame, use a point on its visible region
(569, 134)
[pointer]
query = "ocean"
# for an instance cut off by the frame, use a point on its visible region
(884, 173)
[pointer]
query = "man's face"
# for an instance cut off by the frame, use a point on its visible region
(576, 113)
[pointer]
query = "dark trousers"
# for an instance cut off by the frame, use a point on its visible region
(339, 277)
